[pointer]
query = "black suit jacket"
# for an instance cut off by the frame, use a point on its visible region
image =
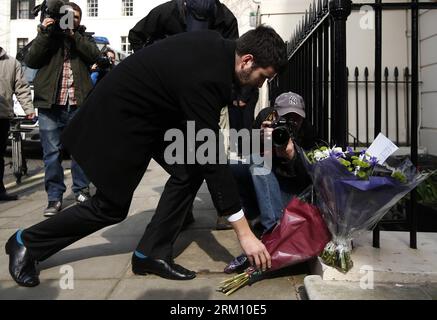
(185, 77)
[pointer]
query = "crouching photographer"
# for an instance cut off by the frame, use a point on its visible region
(265, 193)
(63, 57)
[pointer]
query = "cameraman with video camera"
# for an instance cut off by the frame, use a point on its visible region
(266, 195)
(63, 53)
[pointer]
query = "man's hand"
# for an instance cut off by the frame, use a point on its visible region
(252, 247)
(256, 252)
(266, 130)
(288, 152)
(239, 103)
(30, 116)
(47, 22)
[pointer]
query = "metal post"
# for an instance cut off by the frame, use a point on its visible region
(340, 10)
(378, 76)
(325, 131)
(414, 113)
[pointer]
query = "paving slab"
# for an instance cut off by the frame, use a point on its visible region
(206, 250)
(51, 290)
(23, 208)
(201, 288)
(5, 234)
(318, 289)
(91, 258)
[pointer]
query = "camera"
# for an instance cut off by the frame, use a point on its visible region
(50, 9)
(104, 63)
(283, 131)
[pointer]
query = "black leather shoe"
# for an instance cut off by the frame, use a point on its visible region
(21, 265)
(161, 268)
(8, 197)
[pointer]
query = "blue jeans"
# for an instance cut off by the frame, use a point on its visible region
(51, 123)
(273, 194)
(263, 196)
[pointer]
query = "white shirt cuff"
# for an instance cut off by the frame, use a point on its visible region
(236, 216)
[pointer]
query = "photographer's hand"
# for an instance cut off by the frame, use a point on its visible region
(288, 152)
(48, 22)
(266, 130)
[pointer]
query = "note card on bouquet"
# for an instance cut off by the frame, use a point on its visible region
(382, 148)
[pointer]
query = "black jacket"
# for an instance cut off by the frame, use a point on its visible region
(125, 116)
(47, 54)
(169, 19)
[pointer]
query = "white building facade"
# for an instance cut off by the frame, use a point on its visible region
(108, 18)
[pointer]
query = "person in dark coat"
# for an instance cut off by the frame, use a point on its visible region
(187, 77)
(179, 16)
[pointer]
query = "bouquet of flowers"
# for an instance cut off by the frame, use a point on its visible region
(354, 191)
(301, 234)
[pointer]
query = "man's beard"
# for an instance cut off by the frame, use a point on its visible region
(244, 77)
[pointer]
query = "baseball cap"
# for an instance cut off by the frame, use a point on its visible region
(290, 102)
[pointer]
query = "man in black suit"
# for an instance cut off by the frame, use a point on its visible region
(187, 77)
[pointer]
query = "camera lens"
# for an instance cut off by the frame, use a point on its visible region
(280, 136)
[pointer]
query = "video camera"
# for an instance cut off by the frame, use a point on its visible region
(283, 131)
(50, 9)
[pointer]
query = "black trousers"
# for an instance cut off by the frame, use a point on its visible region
(52, 235)
(4, 131)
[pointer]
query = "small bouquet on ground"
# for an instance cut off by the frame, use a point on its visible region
(300, 235)
(355, 190)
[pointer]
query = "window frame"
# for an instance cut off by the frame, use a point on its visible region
(92, 8)
(127, 8)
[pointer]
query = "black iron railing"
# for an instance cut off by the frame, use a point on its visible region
(317, 71)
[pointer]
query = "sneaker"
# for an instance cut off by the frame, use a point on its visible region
(82, 196)
(53, 208)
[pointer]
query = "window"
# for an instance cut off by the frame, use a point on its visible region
(127, 8)
(93, 8)
(23, 9)
(21, 43)
(125, 45)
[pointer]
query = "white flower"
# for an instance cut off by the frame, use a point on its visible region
(321, 155)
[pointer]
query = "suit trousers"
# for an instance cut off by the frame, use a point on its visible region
(50, 236)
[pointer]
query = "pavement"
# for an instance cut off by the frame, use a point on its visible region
(99, 266)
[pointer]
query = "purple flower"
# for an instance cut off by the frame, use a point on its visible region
(350, 150)
(373, 161)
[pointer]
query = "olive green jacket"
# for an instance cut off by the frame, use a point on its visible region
(47, 54)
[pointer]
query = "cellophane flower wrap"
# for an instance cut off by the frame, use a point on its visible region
(354, 192)
(301, 234)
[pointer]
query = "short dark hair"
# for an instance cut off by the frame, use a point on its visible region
(75, 8)
(266, 46)
(106, 50)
